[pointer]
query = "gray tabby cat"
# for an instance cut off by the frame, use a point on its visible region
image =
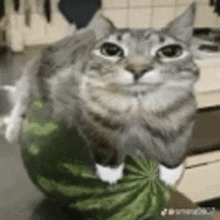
(127, 91)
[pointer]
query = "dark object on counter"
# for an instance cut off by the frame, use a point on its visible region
(217, 39)
(2, 9)
(216, 4)
(208, 34)
(217, 7)
(16, 5)
(28, 16)
(199, 31)
(47, 10)
(4, 50)
(210, 203)
(79, 11)
(209, 47)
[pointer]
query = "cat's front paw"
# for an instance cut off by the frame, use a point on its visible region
(171, 176)
(13, 128)
(109, 174)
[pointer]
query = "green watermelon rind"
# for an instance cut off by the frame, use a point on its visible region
(48, 155)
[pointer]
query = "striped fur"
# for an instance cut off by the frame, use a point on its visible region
(138, 102)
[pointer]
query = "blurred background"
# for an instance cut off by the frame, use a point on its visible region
(34, 22)
(27, 26)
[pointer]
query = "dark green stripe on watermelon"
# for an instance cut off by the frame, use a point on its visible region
(58, 163)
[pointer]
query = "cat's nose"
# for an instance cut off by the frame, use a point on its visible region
(138, 70)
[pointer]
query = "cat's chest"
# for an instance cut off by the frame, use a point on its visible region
(120, 109)
(115, 103)
(120, 101)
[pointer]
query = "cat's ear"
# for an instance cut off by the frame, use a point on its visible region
(100, 25)
(182, 26)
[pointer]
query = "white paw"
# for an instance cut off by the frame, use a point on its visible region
(108, 174)
(10, 88)
(6, 120)
(170, 176)
(13, 128)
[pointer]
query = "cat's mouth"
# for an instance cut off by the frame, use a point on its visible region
(133, 89)
(142, 87)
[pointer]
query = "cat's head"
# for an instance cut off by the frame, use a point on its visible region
(180, 28)
(142, 58)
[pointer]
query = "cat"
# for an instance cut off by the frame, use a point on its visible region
(128, 91)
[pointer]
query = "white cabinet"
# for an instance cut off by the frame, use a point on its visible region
(207, 89)
(201, 180)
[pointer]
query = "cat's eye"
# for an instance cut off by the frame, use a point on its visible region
(170, 51)
(111, 50)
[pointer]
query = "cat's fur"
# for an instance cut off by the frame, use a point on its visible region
(138, 102)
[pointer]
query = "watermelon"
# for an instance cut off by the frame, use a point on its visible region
(57, 161)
